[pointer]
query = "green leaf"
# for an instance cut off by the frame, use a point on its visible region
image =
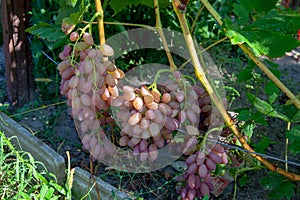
(291, 111)
(243, 115)
(49, 193)
(296, 117)
(272, 180)
(248, 130)
(118, 5)
(65, 10)
(279, 185)
(287, 22)
(241, 13)
(285, 189)
(272, 35)
(262, 145)
(265, 108)
(245, 74)
(43, 191)
(257, 5)
(46, 31)
(294, 136)
(271, 88)
(58, 188)
(244, 180)
(272, 98)
(74, 18)
(294, 148)
(58, 43)
(25, 196)
(263, 42)
(71, 2)
(205, 197)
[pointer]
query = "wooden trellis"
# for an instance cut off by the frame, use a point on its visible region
(18, 61)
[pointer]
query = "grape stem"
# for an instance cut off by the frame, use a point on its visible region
(100, 21)
(287, 146)
(162, 36)
(153, 86)
(196, 18)
(191, 78)
(200, 74)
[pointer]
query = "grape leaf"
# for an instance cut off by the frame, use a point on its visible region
(65, 10)
(271, 35)
(257, 5)
(265, 108)
(272, 90)
(259, 118)
(262, 145)
(241, 13)
(285, 189)
(273, 44)
(287, 22)
(291, 111)
(118, 5)
(46, 31)
(294, 136)
(245, 74)
(244, 180)
(75, 18)
(243, 115)
(279, 185)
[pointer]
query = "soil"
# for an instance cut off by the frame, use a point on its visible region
(55, 127)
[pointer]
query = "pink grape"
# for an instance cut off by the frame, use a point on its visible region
(88, 39)
(136, 150)
(191, 181)
(135, 119)
(143, 145)
(204, 189)
(210, 164)
(191, 159)
(215, 158)
(74, 36)
(153, 152)
(192, 169)
(202, 171)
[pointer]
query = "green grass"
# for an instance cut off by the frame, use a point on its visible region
(20, 178)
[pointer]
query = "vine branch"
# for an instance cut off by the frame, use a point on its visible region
(162, 35)
(100, 21)
(200, 74)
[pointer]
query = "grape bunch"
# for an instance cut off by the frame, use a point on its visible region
(148, 117)
(196, 181)
(89, 81)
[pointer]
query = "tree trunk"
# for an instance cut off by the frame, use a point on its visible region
(18, 60)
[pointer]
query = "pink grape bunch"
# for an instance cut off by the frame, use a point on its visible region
(196, 181)
(89, 81)
(148, 117)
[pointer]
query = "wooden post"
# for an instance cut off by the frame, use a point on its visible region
(18, 60)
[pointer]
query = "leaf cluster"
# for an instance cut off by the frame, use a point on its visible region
(268, 30)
